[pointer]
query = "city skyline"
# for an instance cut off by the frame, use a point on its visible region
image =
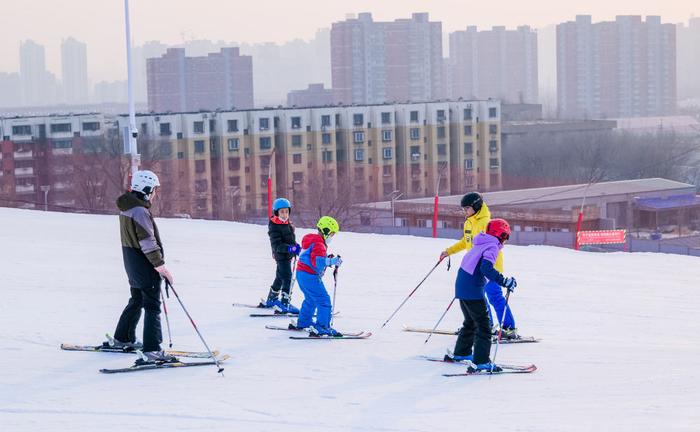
(104, 33)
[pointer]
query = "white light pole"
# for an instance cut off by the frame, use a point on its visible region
(133, 131)
(394, 196)
(46, 190)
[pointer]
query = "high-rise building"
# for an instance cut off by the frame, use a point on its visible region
(10, 89)
(495, 63)
(222, 80)
(33, 74)
(74, 71)
(142, 53)
(621, 68)
(688, 42)
(376, 62)
(314, 95)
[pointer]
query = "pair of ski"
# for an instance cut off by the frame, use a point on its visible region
(351, 335)
(268, 314)
(505, 369)
(519, 339)
(108, 349)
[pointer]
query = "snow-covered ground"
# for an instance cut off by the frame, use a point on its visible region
(619, 350)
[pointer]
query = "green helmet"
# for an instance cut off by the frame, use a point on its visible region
(327, 225)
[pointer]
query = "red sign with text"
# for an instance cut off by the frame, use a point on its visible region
(600, 237)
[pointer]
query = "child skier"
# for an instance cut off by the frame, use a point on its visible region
(477, 217)
(474, 340)
(284, 248)
(312, 264)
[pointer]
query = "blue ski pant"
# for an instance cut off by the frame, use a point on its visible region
(494, 293)
(316, 299)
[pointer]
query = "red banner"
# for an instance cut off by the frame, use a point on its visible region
(600, 237)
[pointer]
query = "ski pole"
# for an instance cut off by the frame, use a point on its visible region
(167, 321)
(500, 331)
(216, 361)
(411, 293)
(439, 321)
(335, 285)
(294, 277)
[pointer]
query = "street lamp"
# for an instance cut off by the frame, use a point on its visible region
(46, 190)
(394, 195)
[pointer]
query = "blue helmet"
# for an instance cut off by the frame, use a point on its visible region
(281, 203)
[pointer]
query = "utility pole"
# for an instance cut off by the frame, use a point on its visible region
(46, 190)
(133, 131)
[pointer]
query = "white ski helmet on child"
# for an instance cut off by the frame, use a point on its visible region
(144, 181)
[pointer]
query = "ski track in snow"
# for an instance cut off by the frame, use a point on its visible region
(619, 337)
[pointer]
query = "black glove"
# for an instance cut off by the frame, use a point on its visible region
(510, 283)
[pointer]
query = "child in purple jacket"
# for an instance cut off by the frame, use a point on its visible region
(474, 340)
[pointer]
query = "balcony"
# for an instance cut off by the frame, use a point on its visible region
(61, 186)
(23, 155)
(29, 171)
(24, 189)
(62, 151)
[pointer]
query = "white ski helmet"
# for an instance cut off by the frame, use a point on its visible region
(144, 181)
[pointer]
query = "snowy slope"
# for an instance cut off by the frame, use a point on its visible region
(619, 352)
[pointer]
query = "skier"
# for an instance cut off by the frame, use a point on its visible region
(477, 265)
(142, 251)
(312, 264)
(284, 247)
(477, 216)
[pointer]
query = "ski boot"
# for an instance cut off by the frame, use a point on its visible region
(450, 357)
(284, 306)
(272, 298)
(509, 333)
(484, 368)
(293, 326)
(154, 357)
(125, 346)
(323, 331)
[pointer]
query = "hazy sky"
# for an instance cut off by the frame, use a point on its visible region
(100, 23)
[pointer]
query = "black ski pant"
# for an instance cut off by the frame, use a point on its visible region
(475, 332)
(149, 300)
(283, 279)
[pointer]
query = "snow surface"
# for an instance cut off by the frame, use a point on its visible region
(619, 333)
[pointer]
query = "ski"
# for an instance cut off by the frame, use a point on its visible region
(360, 335)
(136, 368)
(521, 339)
(507, 369)
(279, 314)
(252, 306)
(273, 327)
(108, 349)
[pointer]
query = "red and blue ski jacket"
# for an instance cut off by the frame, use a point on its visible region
(312, 258)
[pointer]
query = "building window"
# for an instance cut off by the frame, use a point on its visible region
(415, 153)
(327, 156)
(265, 162)
(265, 143)
(200, 186)
(326, 138)
(359, 173)
(198, 127)
(358, 137)
(467, 113)
(180, 155)
(493, 112)
(296, 158)
(296, 140)
(468, 130)
(234, 181)
(386, 171)
(442, 149)
(493, 146)
(325, 120)
(386, 118)
(199, 146)
(165, 129)
(91, 126)
(468, 164)
(493, 163)
(296, 122)
(493, 129)
(232, 125)
(386, 135)
(441, 115)
(359, 155)
(441, 132)
(264, 123)
(297, 177)
(166, 149)
(233, 144)
(386, 152)
(234, 163)
(415, 133)
(357, 119)
(22, 130)
(414, 116)
(61, 127)
(200, 166)
(468, 148)
(62, 144)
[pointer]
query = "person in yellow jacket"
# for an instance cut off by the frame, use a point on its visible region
(477, 217)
